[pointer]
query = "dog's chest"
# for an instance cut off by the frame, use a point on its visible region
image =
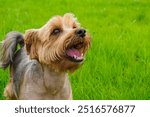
(46, 89)
(57, 85)
(45, 84)
(56, 88)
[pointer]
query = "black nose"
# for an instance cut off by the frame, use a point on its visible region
(81, 32)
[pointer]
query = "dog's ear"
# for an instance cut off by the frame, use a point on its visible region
(31, 37)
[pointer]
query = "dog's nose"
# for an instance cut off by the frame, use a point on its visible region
(81, 32)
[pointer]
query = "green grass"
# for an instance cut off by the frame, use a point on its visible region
(118, 63)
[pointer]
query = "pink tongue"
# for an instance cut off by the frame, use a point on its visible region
(73, 52)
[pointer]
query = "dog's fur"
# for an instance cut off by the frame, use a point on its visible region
(38, 69)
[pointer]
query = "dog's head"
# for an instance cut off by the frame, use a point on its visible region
(60, 44)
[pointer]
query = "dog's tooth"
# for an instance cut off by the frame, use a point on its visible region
(82, 54)
(74, 56)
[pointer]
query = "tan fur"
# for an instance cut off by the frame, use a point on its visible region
(46, 77)
(8, 92)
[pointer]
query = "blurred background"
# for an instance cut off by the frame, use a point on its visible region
(118, 63)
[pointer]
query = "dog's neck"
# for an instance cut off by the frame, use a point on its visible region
(54, 81)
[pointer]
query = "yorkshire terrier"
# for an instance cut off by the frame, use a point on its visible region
(39, 67)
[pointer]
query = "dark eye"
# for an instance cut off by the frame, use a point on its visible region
(74, 27)
(56, 31)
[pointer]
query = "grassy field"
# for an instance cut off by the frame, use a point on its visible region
(118, 63)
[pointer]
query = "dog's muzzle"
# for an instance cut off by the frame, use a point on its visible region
(73, 52)
(80, 32)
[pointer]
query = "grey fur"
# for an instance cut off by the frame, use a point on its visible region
(23, 67)
(9, 47)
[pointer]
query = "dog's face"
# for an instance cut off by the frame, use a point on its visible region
(60, 44)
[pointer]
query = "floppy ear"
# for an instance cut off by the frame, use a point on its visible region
(31, 38)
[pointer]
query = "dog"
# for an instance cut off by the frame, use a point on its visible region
(40, 60)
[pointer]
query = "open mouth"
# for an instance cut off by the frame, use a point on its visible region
(73, 53)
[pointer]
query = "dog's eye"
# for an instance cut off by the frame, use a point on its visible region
(56, 31)
(74, 27)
